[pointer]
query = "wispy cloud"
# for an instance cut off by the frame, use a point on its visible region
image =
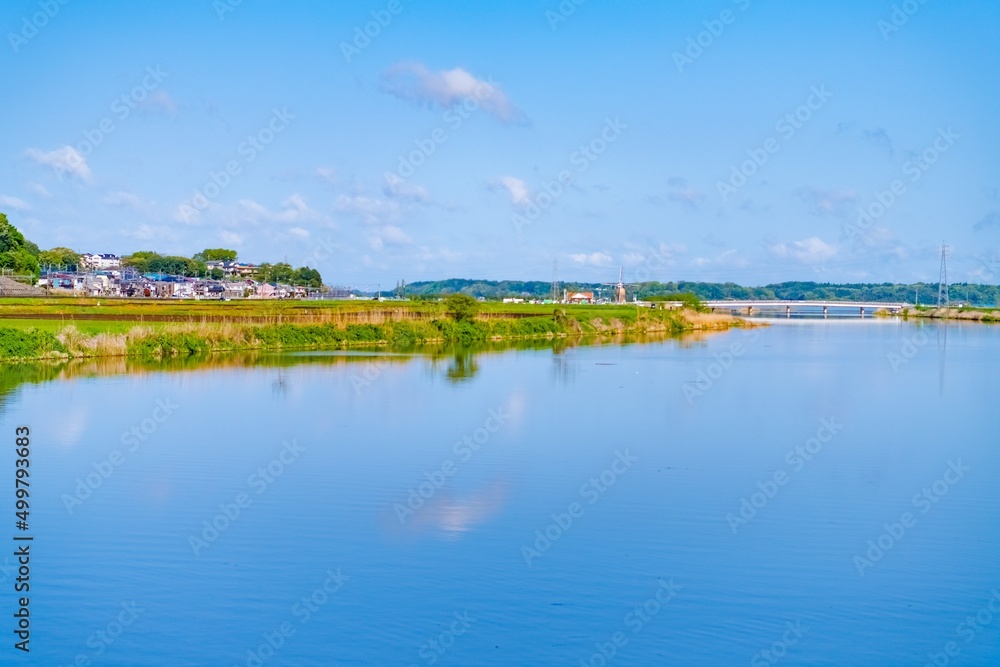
(122, 198)
(371, 210)
(14, 203)
(159, 101)
(683, 192)
(729, 259)
(327, 175)
(822, 202)
(515, 187)
(812, 250)
(598, 258)
(65, 160)
(877, 137)
(448, 88)
(231, 238)
(388, 235)
(293, 209)
(880, 139)
(991, 219)
(398, 188)
(38, 189)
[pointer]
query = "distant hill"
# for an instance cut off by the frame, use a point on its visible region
(979, 295)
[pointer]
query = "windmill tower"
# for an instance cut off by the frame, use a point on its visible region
(943, 296)
(619, 287)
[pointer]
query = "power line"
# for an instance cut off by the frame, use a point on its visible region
(943, 296)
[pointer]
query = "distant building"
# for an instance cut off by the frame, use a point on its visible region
(100, 262)
(231, 268)
(580, 297)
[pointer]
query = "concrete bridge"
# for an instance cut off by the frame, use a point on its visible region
(862, 307)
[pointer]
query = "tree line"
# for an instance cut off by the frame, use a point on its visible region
(923, 293)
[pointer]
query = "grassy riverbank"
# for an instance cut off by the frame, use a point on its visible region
(166, 330)
(986, 315)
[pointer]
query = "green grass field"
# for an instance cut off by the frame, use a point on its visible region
(89, 327)
(68, 309)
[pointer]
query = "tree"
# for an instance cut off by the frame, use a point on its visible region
(461, 306)
(276, 273)
(215, 255)
(308, 277)
(16, 253)
(60, 256)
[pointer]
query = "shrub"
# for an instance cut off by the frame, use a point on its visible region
(28, 344)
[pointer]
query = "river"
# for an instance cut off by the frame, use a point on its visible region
(813, 492)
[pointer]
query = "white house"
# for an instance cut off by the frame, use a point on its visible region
(105, 261)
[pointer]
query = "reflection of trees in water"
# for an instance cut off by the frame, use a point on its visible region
(13, 376)
(563, 367)
(462, 362)
(463, 367)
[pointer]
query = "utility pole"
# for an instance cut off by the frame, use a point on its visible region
(555, 282)
(943, 296)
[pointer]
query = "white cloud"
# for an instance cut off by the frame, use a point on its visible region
(65, 160)
(159, 100)
(121, 198)
(401, 189)
(249, 213)
(389, 235)
(516, 188)
(812, 250)
(293, 209)
(370, 209)
(593, 259)
(446, 89)
(299, 232)
(14, 203)
(38, 189)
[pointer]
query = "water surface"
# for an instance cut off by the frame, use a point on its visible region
(524, 507)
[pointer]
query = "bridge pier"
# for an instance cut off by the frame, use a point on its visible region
(826, 311)
(862, 311)
(788, 312)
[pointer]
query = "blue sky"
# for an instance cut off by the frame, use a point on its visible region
(724, 140)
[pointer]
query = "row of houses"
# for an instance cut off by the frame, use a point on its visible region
(131, 284)
(106, 262)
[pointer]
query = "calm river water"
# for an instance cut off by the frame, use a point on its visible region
(816, 492)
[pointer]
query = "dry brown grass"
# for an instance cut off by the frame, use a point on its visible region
(101, 345)
(714, 321)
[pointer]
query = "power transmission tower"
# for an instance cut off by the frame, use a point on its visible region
(555, 281)
(943, 296)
